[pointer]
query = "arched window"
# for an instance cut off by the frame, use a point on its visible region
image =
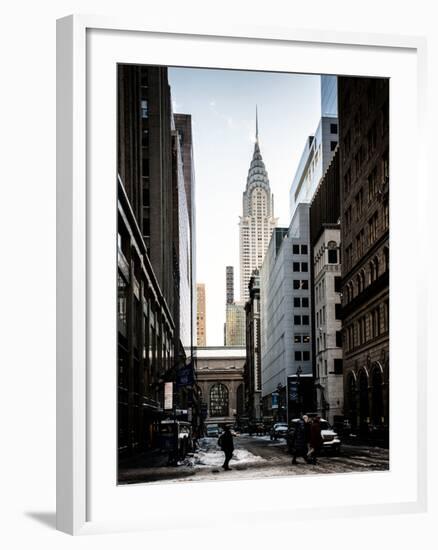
(362, 279)
(219, 400)
(351, 401)
(377, 396)
(359, 284)
(386, 257)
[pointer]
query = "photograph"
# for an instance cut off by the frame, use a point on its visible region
(252, 274)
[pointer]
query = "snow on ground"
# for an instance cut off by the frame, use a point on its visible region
(209, 455)
(279, 441)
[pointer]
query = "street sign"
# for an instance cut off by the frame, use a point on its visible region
(184, 376)
(293, 391)
(168, 396)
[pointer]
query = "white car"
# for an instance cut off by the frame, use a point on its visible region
(331, 442)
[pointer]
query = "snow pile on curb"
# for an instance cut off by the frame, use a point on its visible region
(212, 458)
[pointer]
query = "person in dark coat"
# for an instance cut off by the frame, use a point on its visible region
(227, 445)
(316, 440)
(301, 439)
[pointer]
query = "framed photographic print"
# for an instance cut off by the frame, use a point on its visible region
(235, 214)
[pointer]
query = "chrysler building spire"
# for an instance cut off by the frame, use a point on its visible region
(257, 221)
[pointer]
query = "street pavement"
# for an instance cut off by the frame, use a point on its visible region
(254, 457)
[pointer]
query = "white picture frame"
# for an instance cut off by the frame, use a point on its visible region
(81, 489)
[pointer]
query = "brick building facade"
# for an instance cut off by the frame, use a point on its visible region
(363, 105)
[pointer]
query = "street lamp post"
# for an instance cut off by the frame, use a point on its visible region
(279, 388)
(299, 372)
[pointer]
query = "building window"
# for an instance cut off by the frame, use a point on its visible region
(306, 338)
(347, 181)
(305, 284)
(296, 266)
(358, 202)
(371, 138)
(333, 128)
(297, 338)
(297, 302)
(385, 215)
(304, 302)
(304, 249)
(218, 400)
(338, 366)
(333, 256)
(297, 319)
(298, 356)
(372, 228)
(337, 282)
(144, 108)
(338, 311)
(305, 319)
(338, 339)
(296, 248)
(372, 184)
(304, 267)
(333, 145)
(306, 355)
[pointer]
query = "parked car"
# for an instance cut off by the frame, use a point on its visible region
(278, 430)
(331, 440)
(212, 430)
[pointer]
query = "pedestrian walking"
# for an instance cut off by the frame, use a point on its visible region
(226, 443)
(316, 440)
(301, 438)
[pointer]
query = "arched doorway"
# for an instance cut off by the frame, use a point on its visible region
(351, 409)
(377, 396)
(364, 411)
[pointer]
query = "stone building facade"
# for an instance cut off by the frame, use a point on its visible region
(328, 325)
(364, 177)
(220, 384)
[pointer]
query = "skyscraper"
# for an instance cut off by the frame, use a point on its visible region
(230, 284)
(201, 339)
(257, 221)
(318, 149)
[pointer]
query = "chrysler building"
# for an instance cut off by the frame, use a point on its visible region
(257, 221)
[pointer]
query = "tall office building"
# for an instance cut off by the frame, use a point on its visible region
(257, 221)
(318, 150)
(235, 326)
(183, 125)
(201, 339)
(286, 324)
(154, 256)
(230, 284)
(252, 371)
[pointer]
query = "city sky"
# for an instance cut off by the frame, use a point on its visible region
(223, 104)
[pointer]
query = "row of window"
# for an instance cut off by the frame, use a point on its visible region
(373, 178)
(362, 280)
(368, 327)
